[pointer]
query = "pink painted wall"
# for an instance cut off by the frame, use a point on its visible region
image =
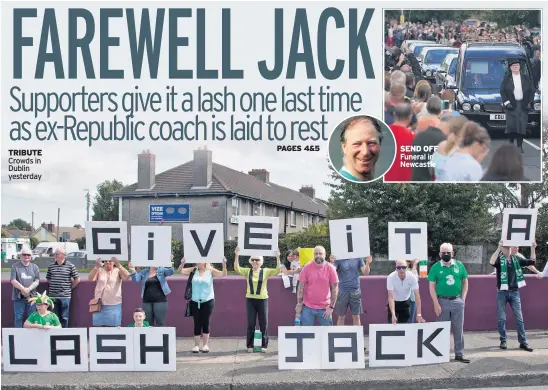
(229, 317)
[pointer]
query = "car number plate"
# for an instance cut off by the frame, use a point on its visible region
(497, 117)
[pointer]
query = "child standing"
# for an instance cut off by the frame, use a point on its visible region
(139, 319)
(291, 270)
(42, 318)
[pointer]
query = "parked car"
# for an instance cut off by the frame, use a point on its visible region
(80, 254)
(47, 249)
(445, 76)
(431, 58)
(480, 69)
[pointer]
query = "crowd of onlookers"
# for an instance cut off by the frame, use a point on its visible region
(441, 144)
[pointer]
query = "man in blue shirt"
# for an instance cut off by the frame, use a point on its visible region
(350, 293)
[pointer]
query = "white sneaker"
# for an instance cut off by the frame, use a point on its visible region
(196, 349)
(205, 349)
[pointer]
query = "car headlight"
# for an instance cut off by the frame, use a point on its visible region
(476, 107)
(537, 106)
(428, 73)
(466, 106)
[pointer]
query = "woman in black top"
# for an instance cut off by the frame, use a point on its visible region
(517, 92)
(154, 292)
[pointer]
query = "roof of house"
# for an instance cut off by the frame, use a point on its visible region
(179, 180)
(19, 233)
(74, 231)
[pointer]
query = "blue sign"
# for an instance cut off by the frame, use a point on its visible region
(169, 213)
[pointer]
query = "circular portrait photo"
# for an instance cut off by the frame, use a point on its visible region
(362, 149)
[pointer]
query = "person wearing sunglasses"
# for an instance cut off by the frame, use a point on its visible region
(25, 277)
(62, 278)
(448, 288)
(256, 295)
(400, 284)
(108, 290)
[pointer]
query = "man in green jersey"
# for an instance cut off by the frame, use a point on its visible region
(448, 288)
(42, 318)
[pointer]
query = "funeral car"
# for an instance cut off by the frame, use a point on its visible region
(480, 70)
(445, 76)
(431, 58)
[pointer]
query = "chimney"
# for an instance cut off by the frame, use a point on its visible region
(308, 191)
(261, 174)
(146, 170)
(203, 168)
(44, 225)
(51, 227)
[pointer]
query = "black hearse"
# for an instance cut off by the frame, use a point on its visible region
(480, 69)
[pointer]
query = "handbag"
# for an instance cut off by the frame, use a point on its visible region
(95, 305)
(188, 290)
(188, 310)
(188, 294)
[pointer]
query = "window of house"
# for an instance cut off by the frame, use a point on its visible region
(262, 209)
(305, 220)
(235, 206)
(310, 220)
(275, 211)
(293, 219)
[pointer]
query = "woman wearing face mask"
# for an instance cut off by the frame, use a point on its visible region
(465, 163)
(257, 295)
(518, 93)
(202, 302)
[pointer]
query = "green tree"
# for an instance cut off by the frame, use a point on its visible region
(454, 213)
(34, 242)
(105, 207)
(81, 242)
(20, 224)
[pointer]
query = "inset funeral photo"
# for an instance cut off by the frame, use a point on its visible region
(462, 95)
(361, 149)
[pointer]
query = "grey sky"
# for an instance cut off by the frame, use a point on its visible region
(69, 170)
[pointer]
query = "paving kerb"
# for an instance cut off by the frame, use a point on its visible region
(228, 366)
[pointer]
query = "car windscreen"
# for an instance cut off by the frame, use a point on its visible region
(39, 250)
(436, 56)
(453, 67)
(417, 50)
(486, 73)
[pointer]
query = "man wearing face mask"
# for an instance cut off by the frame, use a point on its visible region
(317, 291)
(510, 279)
(448, 288)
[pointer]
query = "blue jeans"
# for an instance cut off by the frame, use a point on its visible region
(513, 298)
(62, 309)
(21, 310)
(308, 317)
(412, 311)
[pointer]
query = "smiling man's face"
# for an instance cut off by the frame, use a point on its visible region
(361, 149)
